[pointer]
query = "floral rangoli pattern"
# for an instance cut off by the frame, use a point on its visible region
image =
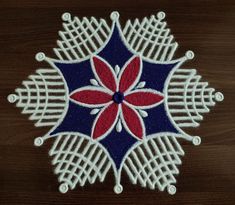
(115, 98)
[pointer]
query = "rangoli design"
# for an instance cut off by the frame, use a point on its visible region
(115, 99)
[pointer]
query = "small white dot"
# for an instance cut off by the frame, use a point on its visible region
(63, 188)
(38, 141)
(12, 98)
(40, 56)
(190, 55)
(161, 15)
(197, 140)
(66, 16)
(219, 96)
(114, 15)
(117, 69)
(118, 189)
(171, 189)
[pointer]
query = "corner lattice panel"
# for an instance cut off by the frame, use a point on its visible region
(151, 38)
(78, 160)
(42, 96)
(154, 163)
(189, 98)
(81, 37)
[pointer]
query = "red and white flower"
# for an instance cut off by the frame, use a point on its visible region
(118, 97)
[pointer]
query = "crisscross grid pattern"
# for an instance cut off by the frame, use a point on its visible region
(43, 97)
(154, 162)
(81, 38)
(78, 160)
(188, 98)
(151, 38)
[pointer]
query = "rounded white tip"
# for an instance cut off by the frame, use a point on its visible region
(197, 140)
(63, 188)
(38, 141)
(161, 15)
(171, 189)
(118, 189)
(114, 15)
(189, 55)
(40, 56)
(66, 16)
(12, 98)
(219, 96)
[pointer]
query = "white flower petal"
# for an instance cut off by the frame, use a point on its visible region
(141, 84)
(94, 111)
(119, 126)
(94, 82)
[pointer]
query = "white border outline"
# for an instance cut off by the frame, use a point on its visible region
(137, 77)
(126, 126)
(97, 76)
(144, 90)
(111, 127)
(93, 88)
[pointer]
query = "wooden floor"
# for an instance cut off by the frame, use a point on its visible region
(208, 171)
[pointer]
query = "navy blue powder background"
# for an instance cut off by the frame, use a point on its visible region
(78, 119)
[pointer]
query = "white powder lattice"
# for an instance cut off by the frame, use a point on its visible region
(189, 98)
(153, 163)
(81, 38)
(151, 38)
(43, 97)
(78, 160)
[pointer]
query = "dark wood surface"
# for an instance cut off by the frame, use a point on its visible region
(208, 171)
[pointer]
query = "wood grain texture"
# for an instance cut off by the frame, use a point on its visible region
(208, 171)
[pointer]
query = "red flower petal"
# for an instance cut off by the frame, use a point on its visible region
(144, 98)
(133, 122)
(105, 121)
(104, 73)
(91, 97)
(130, 74)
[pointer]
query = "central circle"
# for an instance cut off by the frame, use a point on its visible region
(118, 97)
